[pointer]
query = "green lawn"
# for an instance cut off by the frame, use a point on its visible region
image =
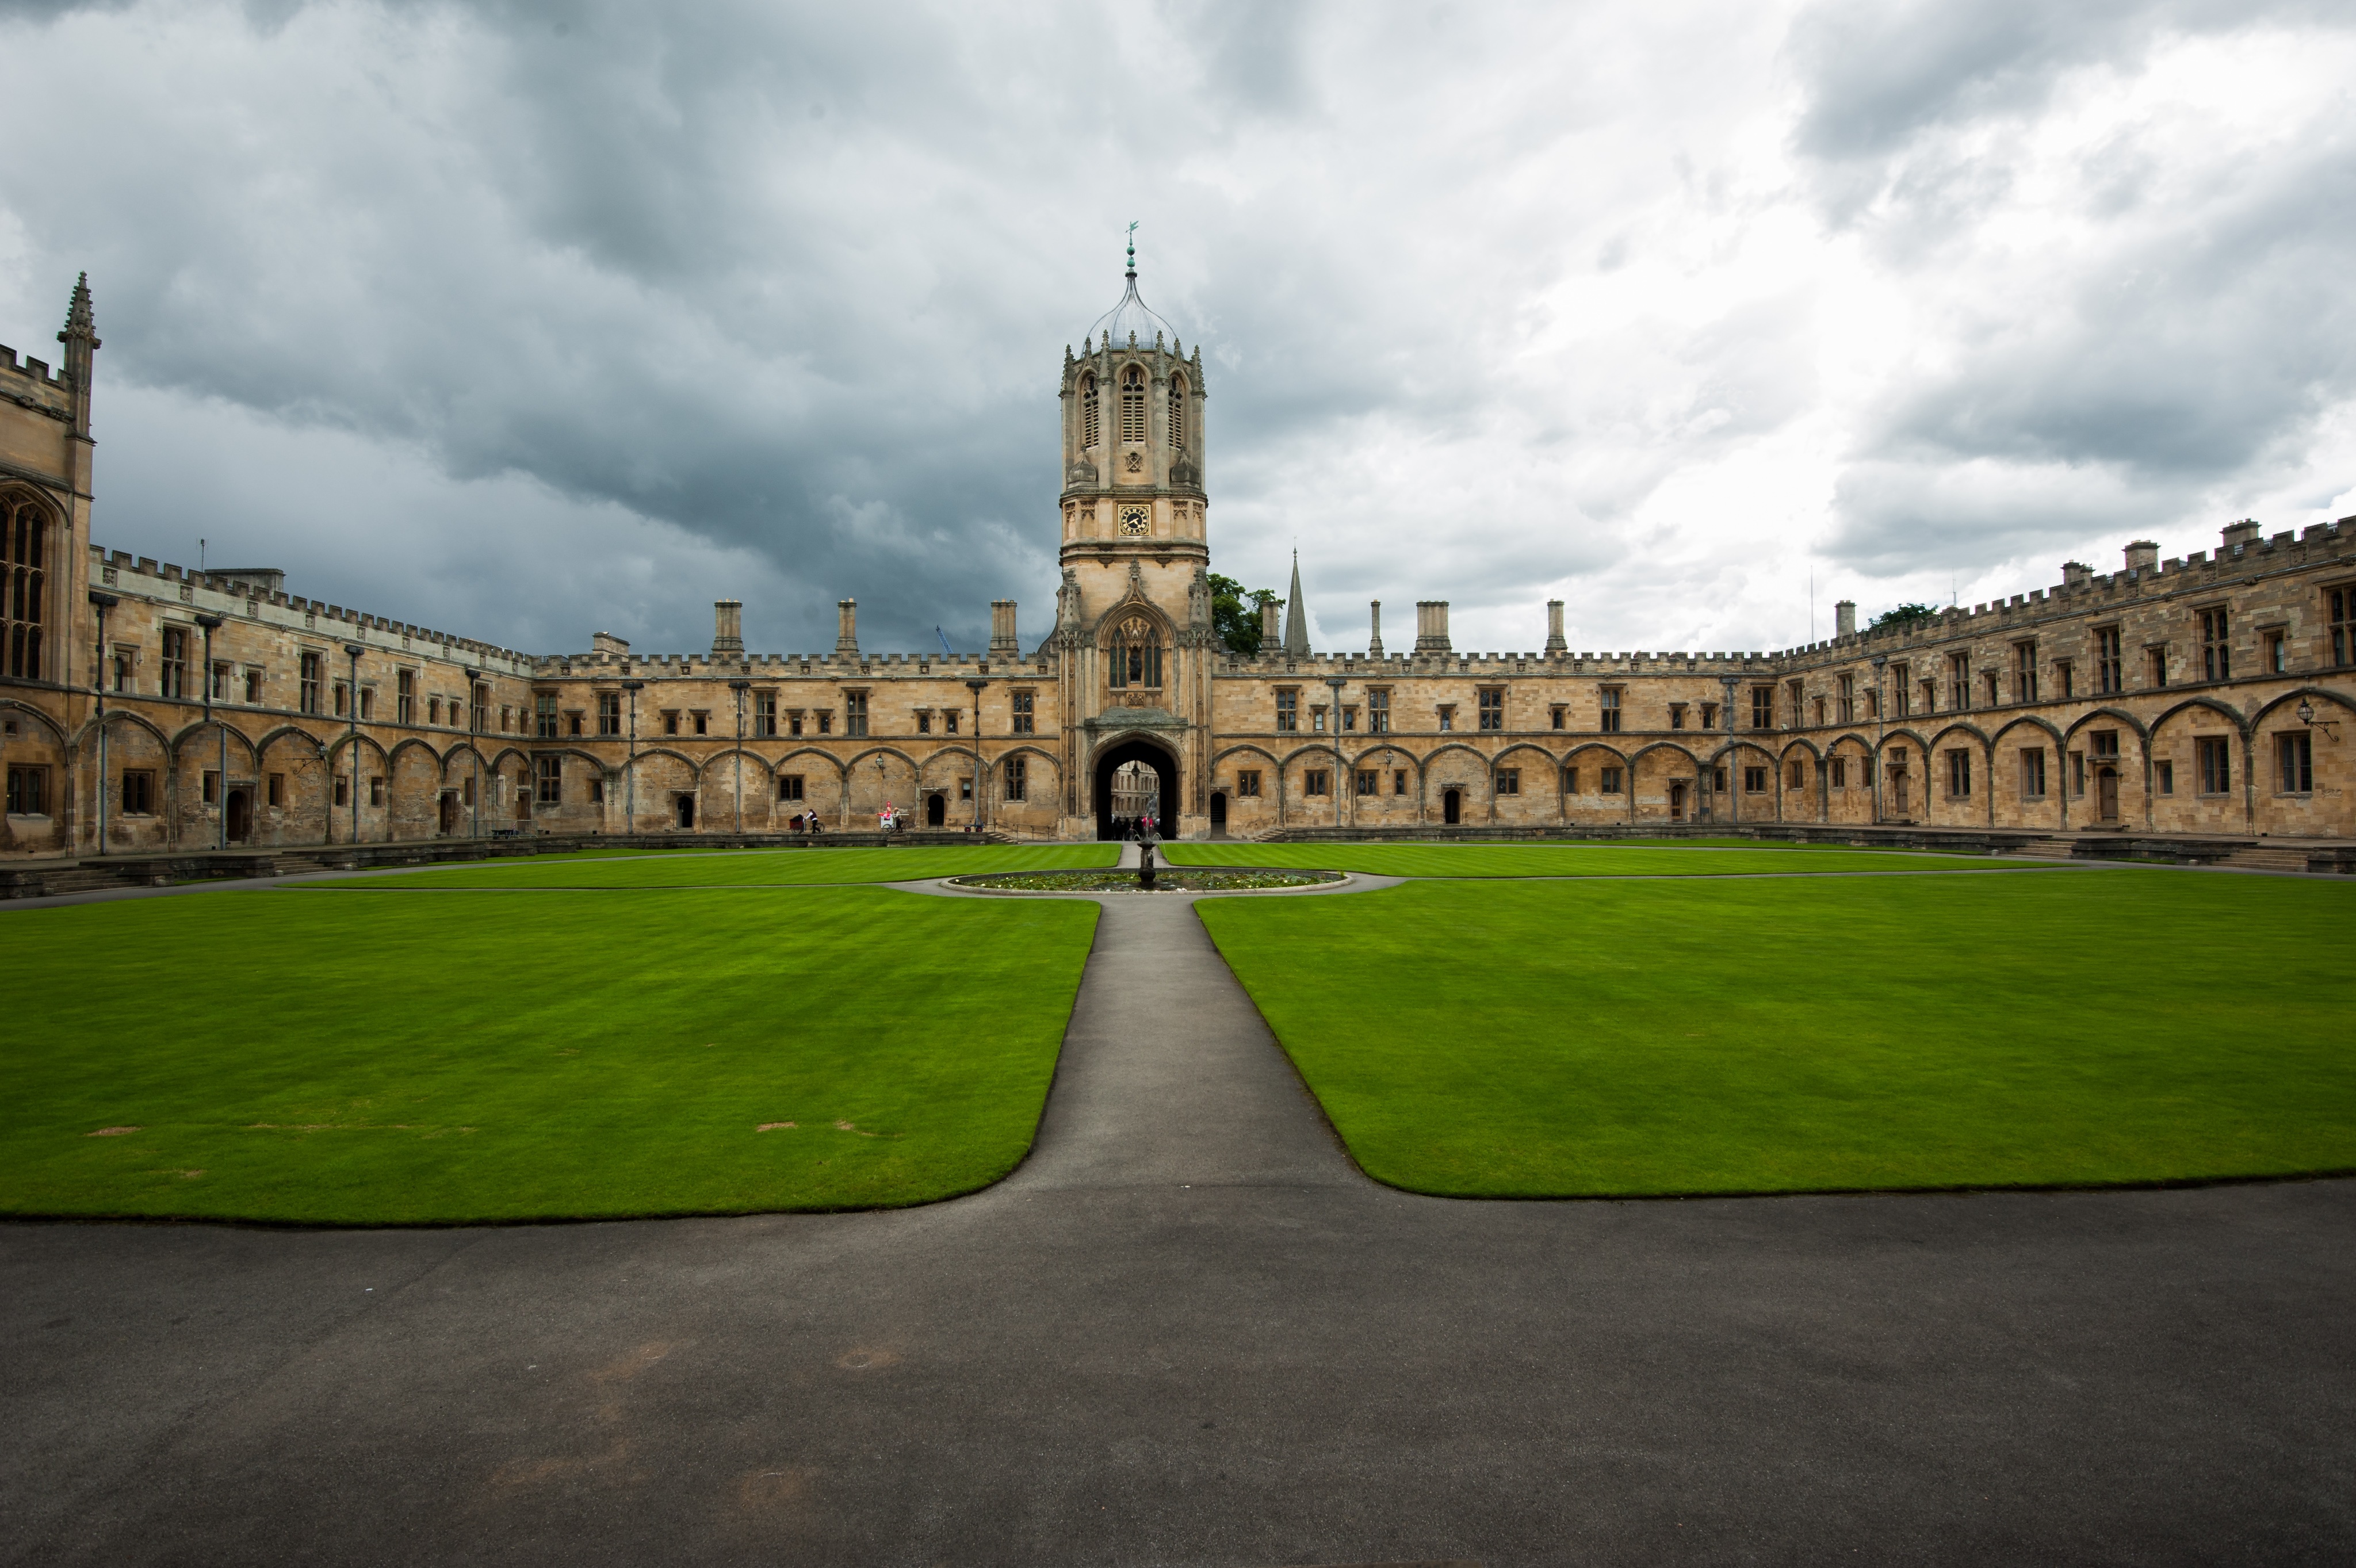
(1579, 859)
(1565, 1038)
(329, 1058)
(746, 869)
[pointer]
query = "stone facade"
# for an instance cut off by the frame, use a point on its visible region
(2208, 695)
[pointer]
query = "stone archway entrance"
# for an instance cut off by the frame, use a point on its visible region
(687, 810)
(1160, 763)
(1218, 811)
(2106, 794)
(1451, 807)
(936, 810)
(1677, 800)
(240, 815)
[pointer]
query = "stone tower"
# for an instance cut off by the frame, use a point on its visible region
(1133, 618)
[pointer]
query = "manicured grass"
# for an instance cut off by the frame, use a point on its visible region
(1570, 1038)
(338, 1058)
(1578, 859)
(747, 868)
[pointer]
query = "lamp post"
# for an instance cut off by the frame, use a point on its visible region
(630, 788)
(1333, 712)
(740, 688)
(1880, 718)
(882, 782)
(979, 785)
(103, 603)
(352, 695)
(1733, 778)
(221, 779)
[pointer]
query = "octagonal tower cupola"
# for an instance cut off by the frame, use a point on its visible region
(1133, 436)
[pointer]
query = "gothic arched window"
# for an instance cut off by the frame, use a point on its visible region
(1133, 404)
(23, 575)
(1135, 655)
(1088, 411)
(1177, 413)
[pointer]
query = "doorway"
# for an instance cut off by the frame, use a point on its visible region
(1897, 801)
(241, 816)
(449, 816)
(1451, 807)
(1677, 800)
(2106, 794)
(687, 810)
(936, 810)
(1164, 793)
(1218, 814)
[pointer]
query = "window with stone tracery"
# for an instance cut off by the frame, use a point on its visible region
(1133, 404)
(1135, 655)
(1088, 411)
(24, 578)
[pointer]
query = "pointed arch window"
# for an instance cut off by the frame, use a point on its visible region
(1090, 430)
(1177, 413)
(1133, 404)
(1135, 655)
(24, 578)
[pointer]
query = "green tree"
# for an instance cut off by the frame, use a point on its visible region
(1906, 616)
(1235, 614)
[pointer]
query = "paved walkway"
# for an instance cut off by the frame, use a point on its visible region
(1186, 1331)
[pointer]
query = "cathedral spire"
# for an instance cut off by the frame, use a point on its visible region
(1296, 618)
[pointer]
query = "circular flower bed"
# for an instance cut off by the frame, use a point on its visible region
(1166, 879)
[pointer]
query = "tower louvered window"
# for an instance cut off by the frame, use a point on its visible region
(1177, 414)
(23, 576)
(1090, 433)
(1133, 404)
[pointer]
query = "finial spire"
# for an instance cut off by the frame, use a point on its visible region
(1132, 252)
(1296, 617)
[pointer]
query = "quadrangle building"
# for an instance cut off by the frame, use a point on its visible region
(149, 710)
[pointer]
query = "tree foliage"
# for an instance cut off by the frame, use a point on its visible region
(1906, 616)
(1235, 614)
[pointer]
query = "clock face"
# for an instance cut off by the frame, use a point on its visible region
(1135, 521)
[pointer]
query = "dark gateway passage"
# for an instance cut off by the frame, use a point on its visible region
(1153, 757)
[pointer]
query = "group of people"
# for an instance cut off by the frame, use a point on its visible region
(1143, 829)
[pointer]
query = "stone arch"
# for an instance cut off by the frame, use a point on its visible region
(1247, 809)
(2122, 717)
(1136, 746)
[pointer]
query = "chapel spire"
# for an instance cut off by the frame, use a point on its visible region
(1296, 617)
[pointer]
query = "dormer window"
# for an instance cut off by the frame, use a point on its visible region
(1177, 413)
(1090, 430)
(1133, 405)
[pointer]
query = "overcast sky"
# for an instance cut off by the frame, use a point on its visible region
(524, 321)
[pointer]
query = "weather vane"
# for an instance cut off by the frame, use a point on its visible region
(1132, 247)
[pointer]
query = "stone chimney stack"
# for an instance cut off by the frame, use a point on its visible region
(1003, 643)
(2233, 535)
(1556, 647)
(2142, 555)
(2076, 574)
(1374, 637)
(1845, 619)
(846, 638)
(1271, 626)
(727, 630)
(1431, 626)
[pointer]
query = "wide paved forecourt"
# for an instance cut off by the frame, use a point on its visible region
(1584, 859)
(744, 868)
(1564, 1038)
(340, 1059)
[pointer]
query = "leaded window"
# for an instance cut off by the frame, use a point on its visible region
(1137, 655)
(24, 575)
(1090, 421)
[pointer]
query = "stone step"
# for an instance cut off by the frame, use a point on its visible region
(2268, 857)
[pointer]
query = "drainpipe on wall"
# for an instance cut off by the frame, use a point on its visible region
(103, 602)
